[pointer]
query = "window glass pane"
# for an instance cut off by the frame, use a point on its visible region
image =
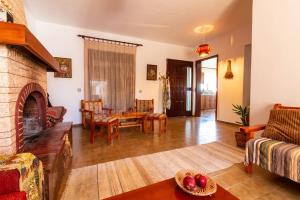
(188, 100)
(188, 77)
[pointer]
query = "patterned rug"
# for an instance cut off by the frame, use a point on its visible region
(111, 178)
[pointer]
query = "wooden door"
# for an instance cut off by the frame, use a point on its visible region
(199, 77)
(181, 78)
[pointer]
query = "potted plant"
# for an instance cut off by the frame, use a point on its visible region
(243, 113)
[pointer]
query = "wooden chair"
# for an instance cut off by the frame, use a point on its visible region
(144, 106)
(250, 133)
(90, 108)
(94, 114)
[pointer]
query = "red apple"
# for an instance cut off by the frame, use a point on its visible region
(201, 180)
(197, 179)
(189, 183)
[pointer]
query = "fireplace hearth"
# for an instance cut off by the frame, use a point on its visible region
(31, 114)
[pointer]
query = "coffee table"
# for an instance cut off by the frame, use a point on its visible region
(131, 119)
(169, 190)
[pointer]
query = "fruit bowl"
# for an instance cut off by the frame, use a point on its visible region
(209, 189)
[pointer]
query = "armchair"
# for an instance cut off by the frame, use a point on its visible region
(144, 105)
(278, 150)
(92, 109)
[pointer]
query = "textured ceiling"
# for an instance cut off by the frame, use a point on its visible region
(170, 21)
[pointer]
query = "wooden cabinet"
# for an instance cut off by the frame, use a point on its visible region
(208, 102)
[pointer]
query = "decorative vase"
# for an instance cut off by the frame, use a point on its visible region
(241, 139)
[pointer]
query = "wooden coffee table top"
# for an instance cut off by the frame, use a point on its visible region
(130, 115)
(169, 190)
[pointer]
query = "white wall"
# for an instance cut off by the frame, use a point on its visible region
(62, 41)
(275, 75)
(230, 91)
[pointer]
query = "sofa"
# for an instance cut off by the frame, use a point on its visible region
(21, 177)
(278, 148)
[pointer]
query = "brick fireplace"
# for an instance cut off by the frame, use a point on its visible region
(23, 83)
(30, 116)
(24, 63)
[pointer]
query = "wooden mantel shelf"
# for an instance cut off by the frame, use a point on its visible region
(19, 35)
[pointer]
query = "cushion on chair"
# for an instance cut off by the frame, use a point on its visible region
(284, 125)
(105, 119)
(157, 115)
(275, 156)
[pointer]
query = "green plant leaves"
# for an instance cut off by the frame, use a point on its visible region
(243, 113)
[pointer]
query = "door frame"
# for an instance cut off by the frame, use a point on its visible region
(198, 90)
(192, 93)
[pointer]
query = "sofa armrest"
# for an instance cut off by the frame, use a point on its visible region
(250, 130)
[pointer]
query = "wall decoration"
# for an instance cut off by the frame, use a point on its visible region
(152, 72)
(65, 66)
(228, 74)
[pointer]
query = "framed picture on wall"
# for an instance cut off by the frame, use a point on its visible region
(65, 66)
(151, 72)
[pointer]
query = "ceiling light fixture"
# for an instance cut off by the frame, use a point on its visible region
(203, 49)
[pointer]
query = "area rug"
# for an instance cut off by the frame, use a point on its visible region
(111, 178)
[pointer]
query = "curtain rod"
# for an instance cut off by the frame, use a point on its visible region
(115, 41)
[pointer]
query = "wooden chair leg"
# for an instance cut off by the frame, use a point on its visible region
(92, 133)
(165, 129)
(248, 168)
(83, 122)
(109, 133)
(152, 124)
(118, 130)
(159, 126)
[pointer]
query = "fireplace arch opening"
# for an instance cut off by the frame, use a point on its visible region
(30, 114)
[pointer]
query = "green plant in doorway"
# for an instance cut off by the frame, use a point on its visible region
(243, 113)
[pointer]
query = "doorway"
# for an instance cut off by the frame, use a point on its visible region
(207, 87)
(180, 73)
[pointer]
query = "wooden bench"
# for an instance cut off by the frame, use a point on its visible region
(52, 147)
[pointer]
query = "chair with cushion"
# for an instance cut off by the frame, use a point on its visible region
(94, 114)
(148, 107)
(93, 108)
(162, 121)
(278, 148)
(144, 105)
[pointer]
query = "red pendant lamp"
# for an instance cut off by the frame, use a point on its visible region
(203, 50)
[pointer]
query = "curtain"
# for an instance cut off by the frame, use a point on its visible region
(110, 74)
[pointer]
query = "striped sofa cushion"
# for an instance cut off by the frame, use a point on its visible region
(284, 125)
(275, 156)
